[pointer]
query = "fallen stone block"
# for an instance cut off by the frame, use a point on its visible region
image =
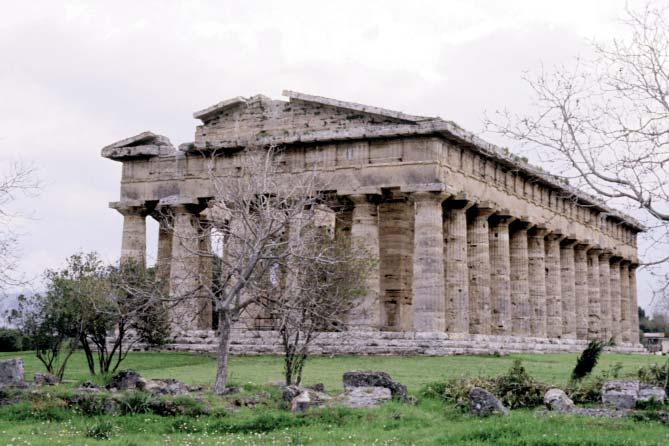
(557, 400)
(483, 403)
(375, 379)
(11, 372)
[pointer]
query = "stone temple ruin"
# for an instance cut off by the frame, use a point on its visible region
(478, 250)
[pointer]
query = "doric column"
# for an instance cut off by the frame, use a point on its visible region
(500, 273)
(429, 310)
(594, 309)
(581, 290)
(184, 270)
(478, 253)
(520, 287)
(625, 307)
(206, 274)
(365, 233)
(616, 329)
(456, 268)
(634, 305)
(536, 252)
(164, 254)
(133, 243)
(553, 286)
(568, 287)
(605, 295)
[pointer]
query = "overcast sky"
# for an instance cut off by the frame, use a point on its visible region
(76, 76)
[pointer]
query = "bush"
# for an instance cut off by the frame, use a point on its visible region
(102, 430)
(11, 340)
(93, 404)
(589, 390)
(135, 402)
(587, 360)
(655, 374)
(515, 389)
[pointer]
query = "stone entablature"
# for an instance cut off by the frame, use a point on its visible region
(470, 239)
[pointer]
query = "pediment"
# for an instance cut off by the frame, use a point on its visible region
(240, 121)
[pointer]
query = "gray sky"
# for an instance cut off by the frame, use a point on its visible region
(77, 76)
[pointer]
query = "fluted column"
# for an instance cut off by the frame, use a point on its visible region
(184, 270)
(455, 263)
(581, 290)
(634, 305)
(616, 329)
(206, 277)
(365, 233)
(553, 286)
(625, 307)
(133, 242)
(500, 274)
(520, 288)
(594, 308)
(537, 278)
(568, 287)
(605, 295)
(428, 263)
(478, 253)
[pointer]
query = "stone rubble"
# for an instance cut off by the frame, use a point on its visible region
(483, 403)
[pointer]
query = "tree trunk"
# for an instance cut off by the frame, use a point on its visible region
(224, 329)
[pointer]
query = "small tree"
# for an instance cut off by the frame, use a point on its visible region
(323, 285)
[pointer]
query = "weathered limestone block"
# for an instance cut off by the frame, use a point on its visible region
(568, 287)
(605, 295)
(557, 400)
(625, 304)
(456, 269)
(520, 291)
(594, 308)
(478, 253)
(365, 233)
(553, 286)
(500, 274)
(581, 292)
(11, 372)
(615, 294)
(537, 279)
(428, 263)
(375, 379)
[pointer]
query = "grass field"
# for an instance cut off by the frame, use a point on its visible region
(430, 422)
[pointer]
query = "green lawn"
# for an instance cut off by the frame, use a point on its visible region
(428, 423)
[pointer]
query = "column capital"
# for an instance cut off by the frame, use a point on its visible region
(361, 198)
(483, 209)
(522, 222)
(133, 207)
(538, 230)
(423, 196)
(605, 255)
(556, 236)
(595, 250)
(582, 245)
(625, 263)
(502, 217)
(461, 200)
(569, 241)
(615, 259)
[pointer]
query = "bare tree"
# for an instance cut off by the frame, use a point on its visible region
(18, 179)
(253, 207)
(604, 122)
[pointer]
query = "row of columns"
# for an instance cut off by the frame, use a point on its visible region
(479, 270)
(474, 269)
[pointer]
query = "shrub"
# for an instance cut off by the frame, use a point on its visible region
(93, 404)
(655, 374)
(587, 360)
(515, 389)
(589, 390)
(11, 340)
(102, 430)
(135, 402)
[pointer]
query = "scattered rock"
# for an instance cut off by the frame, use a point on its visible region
(366, 396)
(89, 387)
(230, 390)
(165, 387)
(557, 400)
(289, 393)
(127, 380)
(308, 398)
(253, 400)
(649, 392)
(483, 403)
(625, 394)
(375, 379)
(11, 372)
(320, 387)
(45, 379)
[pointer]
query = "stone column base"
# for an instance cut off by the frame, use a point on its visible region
(255, 342)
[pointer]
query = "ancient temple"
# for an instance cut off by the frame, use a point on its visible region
(478, 250)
